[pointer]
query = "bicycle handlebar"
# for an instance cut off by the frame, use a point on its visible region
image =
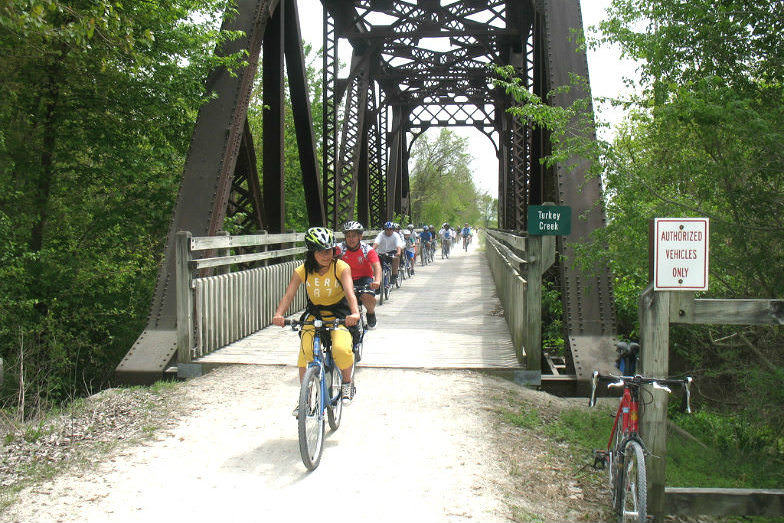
(330, 325)
(637, 381)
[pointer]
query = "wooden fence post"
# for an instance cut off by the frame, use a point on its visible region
(184, 296)
(654, 360)
(223, 269)
(533, 306)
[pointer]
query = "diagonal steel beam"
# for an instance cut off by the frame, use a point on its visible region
(351, 139)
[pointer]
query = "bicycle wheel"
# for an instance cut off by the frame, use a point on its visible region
(311, 419)
(357, 348)
(334, 410)
(632, 484)
(381, 292)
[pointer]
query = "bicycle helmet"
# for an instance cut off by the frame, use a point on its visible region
(353, 226)
(411, 226)
(424, 227)
(319, 239)
(389, 225)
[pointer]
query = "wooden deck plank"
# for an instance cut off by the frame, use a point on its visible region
(443, 318)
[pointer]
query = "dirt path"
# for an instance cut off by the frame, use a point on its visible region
(415, 445)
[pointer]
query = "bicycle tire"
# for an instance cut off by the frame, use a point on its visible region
(334, 412)
(311, 419)
(363, 327)
(633, 485)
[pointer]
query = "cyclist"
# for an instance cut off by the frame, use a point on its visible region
(330, 293)
(424, 240)
(399, 231)
(364, 263)
(412, 240)
(389, 242)
(445, 233)
(466, 233)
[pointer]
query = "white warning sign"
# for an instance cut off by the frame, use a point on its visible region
(680, 254)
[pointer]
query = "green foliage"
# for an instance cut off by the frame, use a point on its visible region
(739, 454)
(552, 320)
(565, 113)
(98, 102)
(442, 188)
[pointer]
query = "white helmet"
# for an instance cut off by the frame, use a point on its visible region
(353, 226)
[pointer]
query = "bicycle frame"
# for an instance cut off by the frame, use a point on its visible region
(321, 359)
(628, 413)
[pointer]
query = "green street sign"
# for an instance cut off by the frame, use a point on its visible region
(549, 220)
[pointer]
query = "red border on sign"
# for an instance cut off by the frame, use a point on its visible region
(656, 254)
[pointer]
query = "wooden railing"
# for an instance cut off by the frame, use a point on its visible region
(214, 310)
(517, 262)
(658, 310)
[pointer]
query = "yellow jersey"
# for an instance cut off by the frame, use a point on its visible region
(324, 289)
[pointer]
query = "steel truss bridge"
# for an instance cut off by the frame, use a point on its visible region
(414, 64)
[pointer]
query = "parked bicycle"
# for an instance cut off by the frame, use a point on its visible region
(624, 456)
(320, 392)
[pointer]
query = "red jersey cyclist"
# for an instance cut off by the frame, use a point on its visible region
(365, 265)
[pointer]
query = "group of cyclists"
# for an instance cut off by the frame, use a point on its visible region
(331, 272)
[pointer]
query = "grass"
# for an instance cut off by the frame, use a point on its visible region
(522, 515)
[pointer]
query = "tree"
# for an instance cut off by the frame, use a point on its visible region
(97, 106)
(442, 189)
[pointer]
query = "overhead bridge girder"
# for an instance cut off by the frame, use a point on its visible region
(414, 65)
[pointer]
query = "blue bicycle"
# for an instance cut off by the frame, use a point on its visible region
(319, 393)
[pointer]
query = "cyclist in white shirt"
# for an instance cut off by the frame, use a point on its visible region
(389, 242)
(445, 233)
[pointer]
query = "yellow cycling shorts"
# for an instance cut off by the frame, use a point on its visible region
(341, 346)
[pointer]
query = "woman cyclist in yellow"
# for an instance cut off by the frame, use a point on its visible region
(330, 295)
